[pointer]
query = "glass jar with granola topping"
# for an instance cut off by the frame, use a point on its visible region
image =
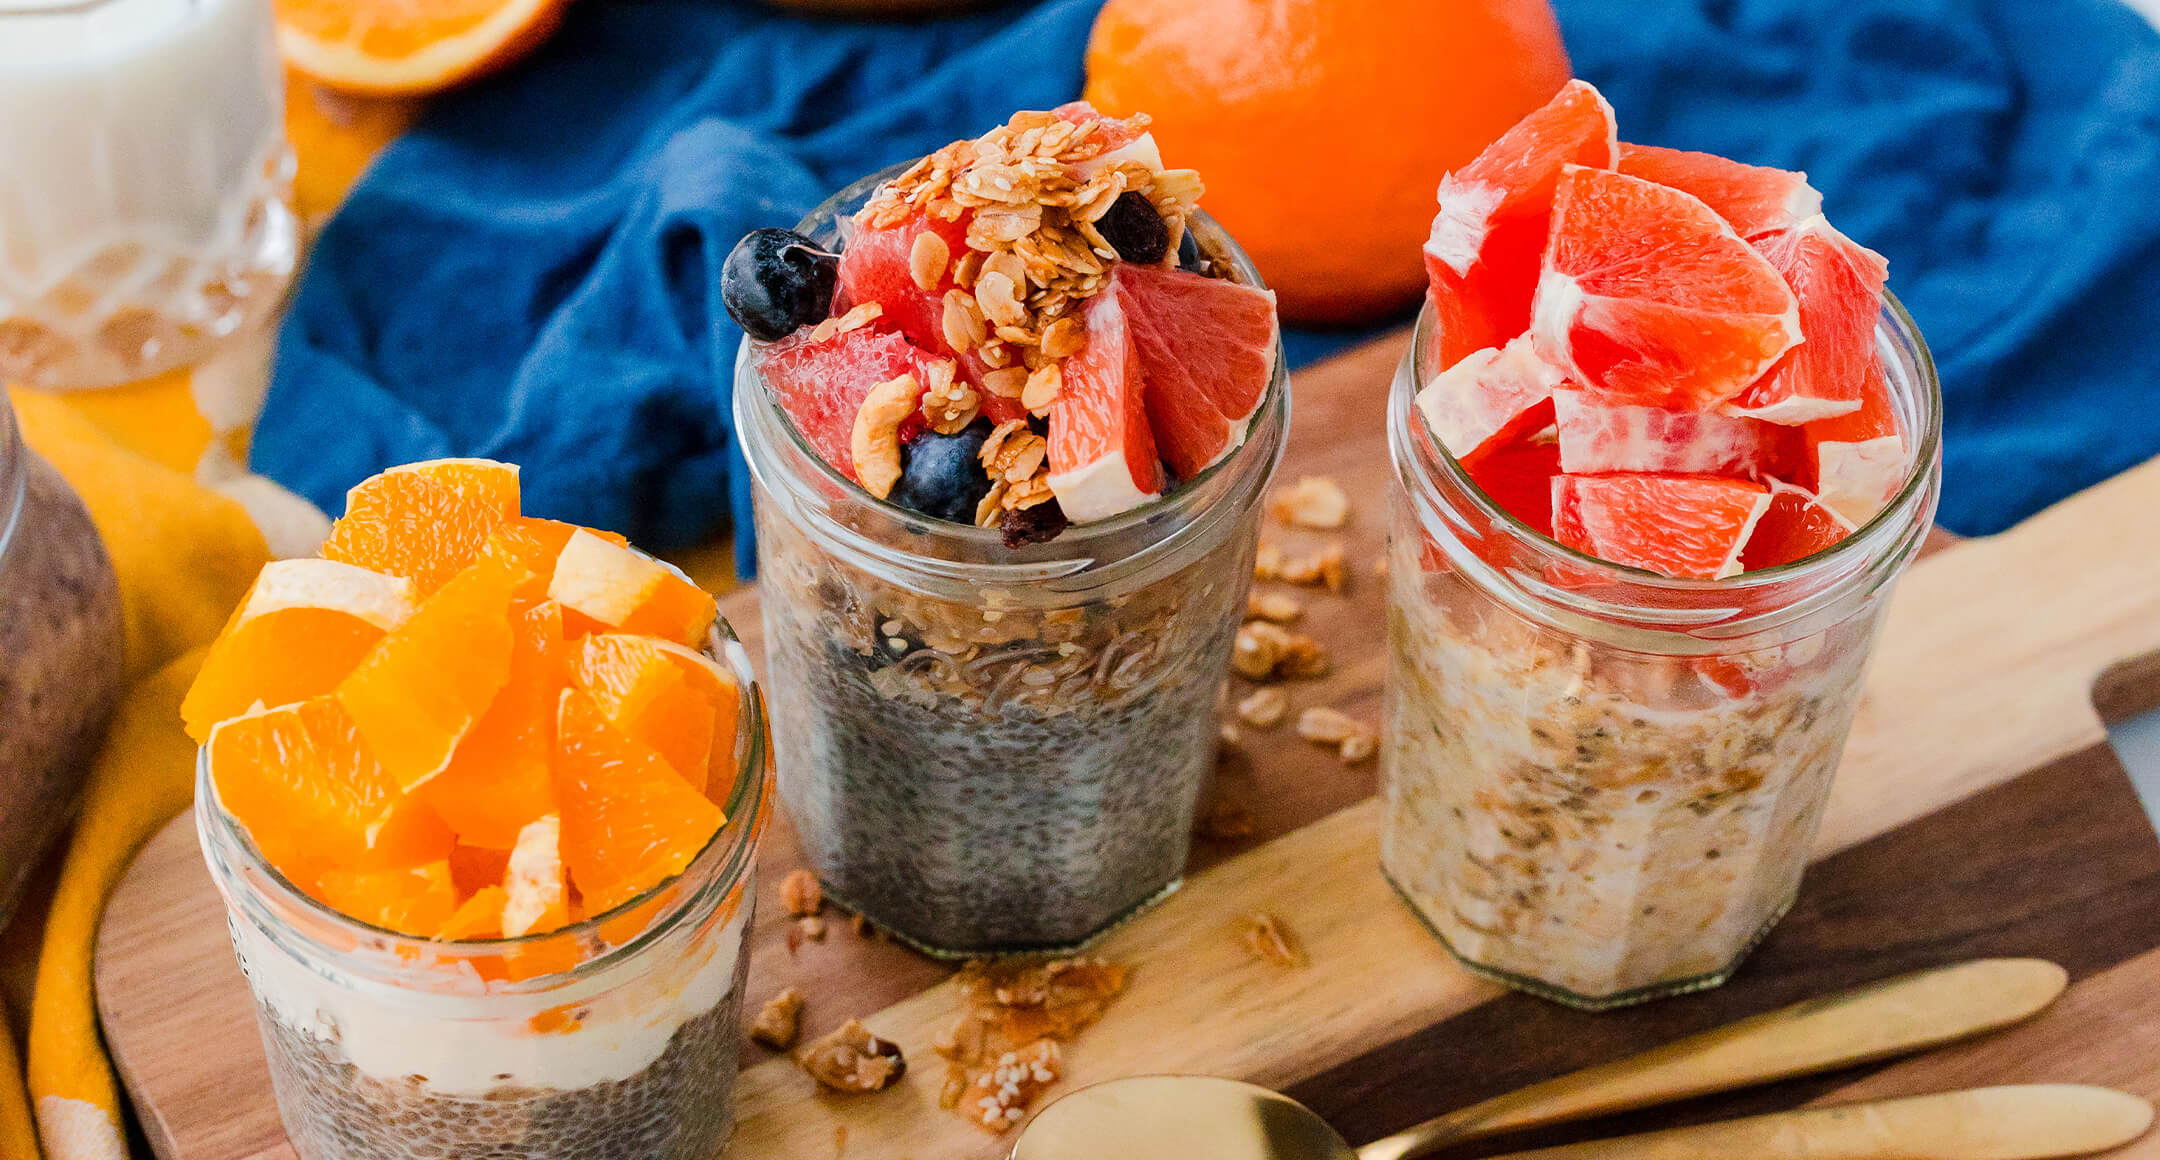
(992, 748)
(1601, 784)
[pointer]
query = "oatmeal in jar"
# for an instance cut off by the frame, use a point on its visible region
(1641, 537)
(1010, 412)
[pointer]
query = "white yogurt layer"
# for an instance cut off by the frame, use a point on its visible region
(472, 1043)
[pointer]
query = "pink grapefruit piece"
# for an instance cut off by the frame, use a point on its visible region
(877, 267)
(1518, 474)
(1481, 257)
(1597, 437)
(1102, 451)
(1795, 526)
(1123, 140)
(1860, 459)
(821, 384)
(1839, 284)
(1491, 397)
(1648, 297)
(1755, 199)
(1689, 526)
(1207, 349)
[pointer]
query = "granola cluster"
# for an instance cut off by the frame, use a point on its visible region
(1003, 1051)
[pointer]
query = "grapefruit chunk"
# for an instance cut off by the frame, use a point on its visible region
(1839, 284)
(821, 384)
(1207, 352)
(1102, 451)
(1598, 437)
(1482, 255)
(877, 266)
(1491, 397)
(1860, 457)
(1123, 140)
(1518, 475)
(1755, 199)
(1690, 526)
(1795, 526)
(1648, 297)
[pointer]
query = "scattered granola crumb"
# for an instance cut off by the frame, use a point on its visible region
(1301, 659)
(1223, 818)
(1267, 939)
(779, 1021)
(851, 1059)
(1327, 726)
(812, 927)
(1228, 733)
(1355, 748)
(1323, 569)
(1265, 651)
(1267, 562)
(862, 926)
(1315, 501)
(1279, 607)
(801, 894)
(1003, 1047)
(1263, 708)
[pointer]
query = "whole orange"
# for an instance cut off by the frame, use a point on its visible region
(1322, 127)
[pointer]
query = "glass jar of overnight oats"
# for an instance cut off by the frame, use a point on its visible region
(59, 654)
(990, 749)
(1601, 784)
(614, 1038)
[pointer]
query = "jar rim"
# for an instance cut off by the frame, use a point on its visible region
(719, 866)
(1881, 546)
(1071, 549)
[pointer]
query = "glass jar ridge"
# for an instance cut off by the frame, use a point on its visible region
(1601, 784)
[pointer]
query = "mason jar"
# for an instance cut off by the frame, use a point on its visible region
(991, 750)
(59, 654)
(614, 1038)
(1600, 783)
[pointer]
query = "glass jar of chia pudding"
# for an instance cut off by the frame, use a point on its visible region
(1601, 784)
(987, 749)
(59, 654)
(614, 1038)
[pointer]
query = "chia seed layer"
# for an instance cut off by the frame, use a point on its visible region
(679, 1107)
(978, 779)
(59, 663)
(1591, 823)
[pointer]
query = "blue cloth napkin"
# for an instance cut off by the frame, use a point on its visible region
(532, 274)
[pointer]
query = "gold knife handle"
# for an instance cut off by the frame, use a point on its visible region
(1871, 1022)
(2025, 1122)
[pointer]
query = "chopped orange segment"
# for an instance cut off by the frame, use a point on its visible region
(423, 687)
(498, 777)
(624, 589)
(645, 693)
(302, 783)
(414, 900)
(480, 916)
(717, 684)
(301, 629)
(629, 821)
(536, 543)
(424, 521)
(475, 868)
(538, 901)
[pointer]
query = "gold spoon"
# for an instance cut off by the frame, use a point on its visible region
(1176, 1117)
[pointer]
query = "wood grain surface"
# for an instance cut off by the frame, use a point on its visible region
(1978, 811)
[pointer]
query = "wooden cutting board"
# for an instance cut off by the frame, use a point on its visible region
(1978, 811)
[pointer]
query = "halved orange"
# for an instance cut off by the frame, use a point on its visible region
(424, 521)
(299, 779)
(422, 688)
(1648, 297)
(629, 820)
(647, 694)
(301, 629)
(414, 900)
(498, 779)
(389, 47)
(623, 589)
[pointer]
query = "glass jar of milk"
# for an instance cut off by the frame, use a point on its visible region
(144, 184)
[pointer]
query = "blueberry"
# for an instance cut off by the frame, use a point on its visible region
(1134, 229)
(1189, 257)
(942, 475)
(776, 282)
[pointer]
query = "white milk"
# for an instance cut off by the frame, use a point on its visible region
(143, 177)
